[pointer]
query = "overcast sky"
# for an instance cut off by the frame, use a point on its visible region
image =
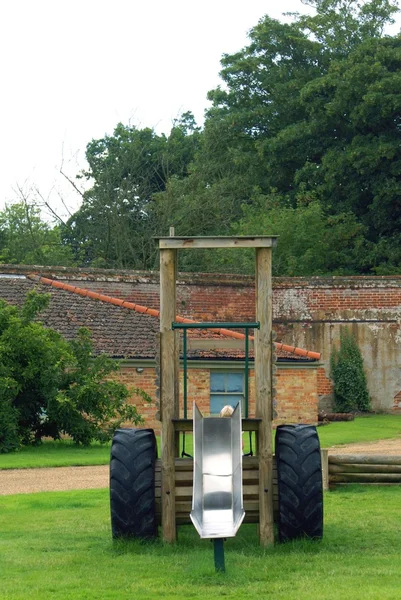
(71, 70)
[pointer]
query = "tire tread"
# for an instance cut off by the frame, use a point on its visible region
(132, 483)
(300, 487)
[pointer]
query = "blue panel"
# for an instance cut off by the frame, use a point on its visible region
(217, 382)
(235, 382)
(218, 401)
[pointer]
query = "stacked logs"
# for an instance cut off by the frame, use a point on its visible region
(184, 482)
(345, 469)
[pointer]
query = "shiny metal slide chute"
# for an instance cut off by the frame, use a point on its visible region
(217, 501)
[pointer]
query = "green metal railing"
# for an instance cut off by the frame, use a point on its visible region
(246, 326)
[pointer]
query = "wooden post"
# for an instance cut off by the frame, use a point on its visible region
(168, 401)
(324, 453)
(263, 392)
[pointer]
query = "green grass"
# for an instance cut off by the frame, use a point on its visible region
(65, 453)
(58, 545)
(62, 453)
(362, 429)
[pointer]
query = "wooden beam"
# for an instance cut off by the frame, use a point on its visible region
(218, 242)
(168, 388)
(366, 478)
(366, 468)
(263, 392)
(324, 453)
(364, 459)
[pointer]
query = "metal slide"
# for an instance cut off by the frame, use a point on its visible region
(217, 502)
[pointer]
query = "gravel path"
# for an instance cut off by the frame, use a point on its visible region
(389, 447)
(26, 481)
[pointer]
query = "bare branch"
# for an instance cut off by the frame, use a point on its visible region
(63, 203)
(74, 185)
(48, 206)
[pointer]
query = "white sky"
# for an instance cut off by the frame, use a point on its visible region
(71, 70)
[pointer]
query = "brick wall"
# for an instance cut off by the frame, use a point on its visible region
(324, 390)
(232, 297)
(307, 312)
(297, 397)
(296, 402)
(146, 380)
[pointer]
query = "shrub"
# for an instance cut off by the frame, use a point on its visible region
(50, 387)
(88, 406)
(350, 388)
(9, 439)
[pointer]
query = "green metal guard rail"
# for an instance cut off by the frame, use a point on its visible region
(246, 326)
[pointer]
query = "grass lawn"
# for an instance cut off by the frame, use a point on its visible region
(62, 453)
(362, 429)
(65, 453)
(58, 545)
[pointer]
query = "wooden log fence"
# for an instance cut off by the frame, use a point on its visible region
(346, 469)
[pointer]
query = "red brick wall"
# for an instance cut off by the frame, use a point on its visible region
(232, 297)
(307, 312)
(324, 384)
(145, 381)
(397, 401)
(297, 395)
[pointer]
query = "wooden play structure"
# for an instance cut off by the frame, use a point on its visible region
(172, 425)
(147, 492)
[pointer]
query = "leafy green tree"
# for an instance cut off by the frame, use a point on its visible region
(348, 375)
(310, 242)
(26, 239)
(115, 224)
(308, 109)
(50, 387)
(341, 25)
(348, 146)
(9, 439)
(264, 81)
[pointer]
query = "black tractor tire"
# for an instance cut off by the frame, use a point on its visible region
(300, 484)
(132, 483)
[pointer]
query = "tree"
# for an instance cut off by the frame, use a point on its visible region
(115, 224)
(348, 146)
(308, 109)
(341, 25)
(26, 239)
(349, 380)
(310, 242)
(50, 387)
